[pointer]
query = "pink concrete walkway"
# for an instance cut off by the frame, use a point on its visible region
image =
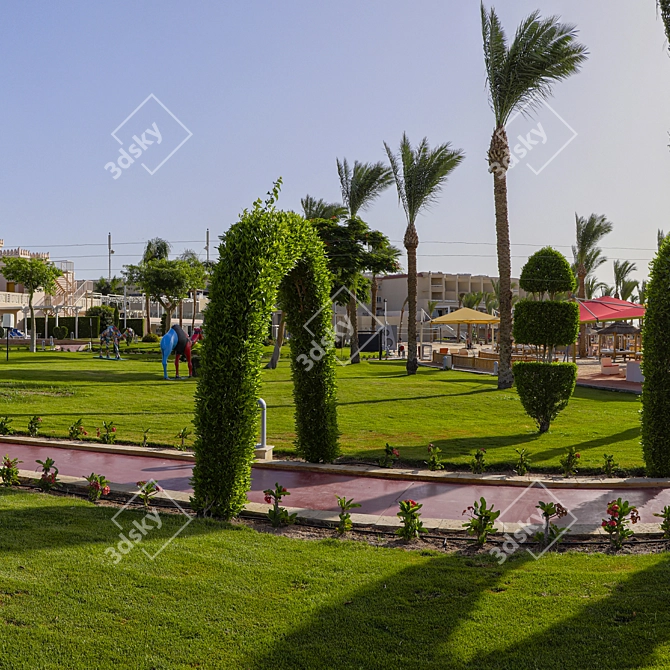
(315, 490)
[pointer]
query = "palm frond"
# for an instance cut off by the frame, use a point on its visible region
(362, 185)
(320, 209)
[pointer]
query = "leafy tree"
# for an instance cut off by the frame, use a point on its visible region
(106, 314)
(660, 236)
(156, 249)
(34, 274)
(520, 75)
(107, 286)
(320, 209)
(198, 278)
(360, 186)
(167, 281)
(419, 173)
(382, 258)
(664, 6)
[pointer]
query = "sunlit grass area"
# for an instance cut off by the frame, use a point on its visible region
(226, 597)
(378, 403)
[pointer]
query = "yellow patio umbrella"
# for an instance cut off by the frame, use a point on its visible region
(466, 315)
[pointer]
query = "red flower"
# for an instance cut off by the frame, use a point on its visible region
(395, 452)
(604, 523)
(283, 490)
(268, 500)
(97, 430)
(105, 490)
(611, 523)
(113, 429)
(141, 483)
(158, 488)
(578, 455)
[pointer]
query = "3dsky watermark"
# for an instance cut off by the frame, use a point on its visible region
(151, 134)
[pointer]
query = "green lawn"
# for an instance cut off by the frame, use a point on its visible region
(457, 411)
(222, 597)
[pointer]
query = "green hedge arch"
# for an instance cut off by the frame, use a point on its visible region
(267, 254)
(656, 367)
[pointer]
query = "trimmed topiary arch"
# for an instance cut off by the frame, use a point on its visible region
(268, 256)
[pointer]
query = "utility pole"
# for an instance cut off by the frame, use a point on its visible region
(110, 251)
(207, 247)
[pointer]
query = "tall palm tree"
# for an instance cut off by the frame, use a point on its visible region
(156, 249)
(520, 75)
(420, 173)
(587, 258)
(360, 186)
(320, 209)
(622, 281)
(591, 285)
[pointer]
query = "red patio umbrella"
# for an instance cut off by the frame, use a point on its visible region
(609, 309)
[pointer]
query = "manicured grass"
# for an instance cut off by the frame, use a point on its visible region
(378, 403)
(223, 597)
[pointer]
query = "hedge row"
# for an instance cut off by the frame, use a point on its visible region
(89, 326)
(549, 323)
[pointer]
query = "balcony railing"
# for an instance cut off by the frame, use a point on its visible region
(18, 299)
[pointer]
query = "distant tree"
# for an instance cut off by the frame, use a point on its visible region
(660, 235)
(106, 313)
(360, 187)
(382, 258)
(198, 278)
(623, 285)
(156, 249)
(106, 286)
(34, 274)
(591, 285)
(420, 174)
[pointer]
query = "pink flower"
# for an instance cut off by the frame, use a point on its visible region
(158, 488)
(395, 452)
(105, 490)
(113, 429)
(611, 523)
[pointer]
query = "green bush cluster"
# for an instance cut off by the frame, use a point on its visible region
(267, 254)
(656, 367)
(60, 332)
(544, 389)
(105, 314)
(151, 337)
(88, 326)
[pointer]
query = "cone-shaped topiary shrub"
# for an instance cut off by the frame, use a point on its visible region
(267, 255)
(545, 387)
(656, 367)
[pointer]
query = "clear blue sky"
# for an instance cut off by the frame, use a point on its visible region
(283, 88)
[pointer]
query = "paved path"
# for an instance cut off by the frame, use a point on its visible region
(317, 490)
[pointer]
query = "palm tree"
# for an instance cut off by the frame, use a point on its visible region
(198, 278)
(519, 75)
(623, 285)
(642, 292)
(320, 209)
(360, 187)
(419, 174)
(156, 249)
(382, 258)
(607, 291)
(587, 258)
(472, 300)
(591, 285)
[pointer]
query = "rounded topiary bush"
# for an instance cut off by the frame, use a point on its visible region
(547, 271)
(656, 367)
(151, 337)
(544, 389)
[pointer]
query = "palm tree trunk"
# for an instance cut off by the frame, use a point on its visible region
(582, 327)
(373, 302)
(411, 242)
(278, 344)
(498, 162)
(181, 313)
(355, 356)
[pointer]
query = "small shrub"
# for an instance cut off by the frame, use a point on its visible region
(60, 333)
(523, 462)
(4, 426)
(482, 519)
(49, 477)
(552, 533)
(278, 516)
(391, 455)
(544, 389)
(478, 462)
(34, 425)
(108, 433)
(617, 525)
(145, 436)
(182, 435)
(151, 337)
(76, 430)
(409, 515)
(97, 486)
(147, 491)
(569, 461)
(345, 518)
(9, 472)
(665, 524)
(609, 466)
(434, 461)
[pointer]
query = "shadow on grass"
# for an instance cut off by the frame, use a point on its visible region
(465, 446)
(597, 443)
(412, 620)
